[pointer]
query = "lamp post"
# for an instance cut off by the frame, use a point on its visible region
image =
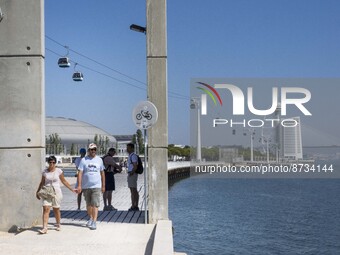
(252, 133)
(194, 104)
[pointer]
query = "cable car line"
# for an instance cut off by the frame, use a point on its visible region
(174, 94)
(95, 61)
(101, 73)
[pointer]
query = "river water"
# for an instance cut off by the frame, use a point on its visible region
(256, 216)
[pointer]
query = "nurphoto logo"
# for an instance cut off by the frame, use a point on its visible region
(238, 99)
(289, 96)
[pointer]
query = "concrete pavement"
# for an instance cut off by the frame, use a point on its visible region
(115, 238)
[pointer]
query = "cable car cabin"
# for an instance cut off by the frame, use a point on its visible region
(64, 62)
(77, 76)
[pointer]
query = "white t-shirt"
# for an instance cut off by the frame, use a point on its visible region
(91, 168)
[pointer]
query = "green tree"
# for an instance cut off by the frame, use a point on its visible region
(102, 142)
(177, 151)
(186, 152)
(210, 154)
(140, 141)
(73, 150)
(134, 139)
(53, 144)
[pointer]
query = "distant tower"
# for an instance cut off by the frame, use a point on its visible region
(278, 133)
(287, 138)
(292, 141)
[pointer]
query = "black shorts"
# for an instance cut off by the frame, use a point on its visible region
(109, 181)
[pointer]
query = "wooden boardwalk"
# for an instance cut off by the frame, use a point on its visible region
(121, 200)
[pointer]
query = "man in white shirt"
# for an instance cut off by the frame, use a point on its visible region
(91, 179)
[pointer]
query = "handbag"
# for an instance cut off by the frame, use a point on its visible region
(47, 192)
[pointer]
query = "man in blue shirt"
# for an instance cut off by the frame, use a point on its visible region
(132, 176)
(77, 162)
(91, 179)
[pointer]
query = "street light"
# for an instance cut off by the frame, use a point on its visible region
(137, 28)
(194, 104)
(141, 29)
(252, 133)
(267, 140)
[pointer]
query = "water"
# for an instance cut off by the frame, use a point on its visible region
(256, 216)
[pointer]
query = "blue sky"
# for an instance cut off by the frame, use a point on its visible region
(206, 39)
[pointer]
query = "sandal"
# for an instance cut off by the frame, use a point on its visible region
(43, 231)
(58, 227)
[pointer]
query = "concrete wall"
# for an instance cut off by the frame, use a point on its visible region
(163, 240)
(22, 111)
(157, 94)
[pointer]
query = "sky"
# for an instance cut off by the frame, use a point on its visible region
(205, 39)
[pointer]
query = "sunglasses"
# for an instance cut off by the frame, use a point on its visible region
(93, 149)
(51, 162)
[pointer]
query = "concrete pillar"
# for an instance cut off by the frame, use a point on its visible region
(22, 111)
(157, 94)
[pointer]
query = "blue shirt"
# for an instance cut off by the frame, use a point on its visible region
(132, 159)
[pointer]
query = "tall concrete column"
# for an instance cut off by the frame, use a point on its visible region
(22, 111)
(157, 94)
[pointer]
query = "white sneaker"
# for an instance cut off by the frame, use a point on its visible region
(89, 223)
(93, 226)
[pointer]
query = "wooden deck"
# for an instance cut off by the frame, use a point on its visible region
(80, 217)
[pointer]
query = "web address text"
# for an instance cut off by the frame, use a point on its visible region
(265, 168)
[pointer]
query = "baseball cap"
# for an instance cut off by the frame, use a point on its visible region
(82, 150)
(92, 146)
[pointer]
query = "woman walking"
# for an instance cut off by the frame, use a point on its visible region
(52, 176)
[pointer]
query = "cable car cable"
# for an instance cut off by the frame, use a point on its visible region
(99, 63)
(175, 95)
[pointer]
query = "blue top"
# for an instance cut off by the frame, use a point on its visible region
(132, 159)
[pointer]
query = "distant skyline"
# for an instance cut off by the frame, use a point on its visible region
(321, 128)
(218, 38)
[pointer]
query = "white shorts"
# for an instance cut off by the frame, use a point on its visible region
(54, 202)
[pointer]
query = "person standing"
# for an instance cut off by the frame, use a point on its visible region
(82, 152)
(52, 176)
(91, 179)
(111, 168)
(132, 176)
